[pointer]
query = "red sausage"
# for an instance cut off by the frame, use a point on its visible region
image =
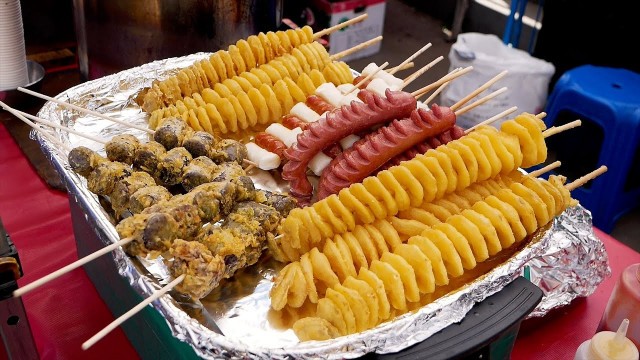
(371, 152)
(339, 123)
(360, 78)
(291, 122)
(270, 143)
(318, 104)
(456, 132)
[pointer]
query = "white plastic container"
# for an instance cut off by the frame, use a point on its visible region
(608, 345)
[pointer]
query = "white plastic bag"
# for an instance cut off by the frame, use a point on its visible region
(527, 79)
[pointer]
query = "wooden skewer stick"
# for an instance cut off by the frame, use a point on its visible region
(124, 317)
(418, 93)
(25, 289)
(477, 91)
(355, 48)
(553, 165)
(584, 179)
(492, 119)
(558, 129)
(411, 58)
(480, 101)
(48, 136)
(406, 66)
(85, 111)
(440, 88)
(278, 237)
(542, 115)
(368, 77)
(62, 127)
(411, 78)
(327, 31)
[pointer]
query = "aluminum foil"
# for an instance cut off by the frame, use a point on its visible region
(566, 261)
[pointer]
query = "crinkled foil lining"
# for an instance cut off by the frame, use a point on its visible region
(566, 261)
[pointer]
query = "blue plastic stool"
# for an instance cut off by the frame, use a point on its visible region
(607, 100)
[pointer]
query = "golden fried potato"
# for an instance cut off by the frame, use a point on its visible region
(460, 243)
(275, 110)
(368, 294)
(432, 164)
(421, 266)
(518, 230)
(487, 230)
(384, 235)
(433, 254)
(361, 211)
(365, 242)
(392, 283)
(366, 198)
(283, 95)
(260, 105)
(338, 263)
(347, 313)
(249, 110)
(307, 271)
(472, 234)
(315, 328)
(266, 45)
(377, 189)
(228, 113)
(322, 268)
(203, 120)
(408, 227)
(407, 275)
(531, 197)
(280, 291)
(392, 185)
(377, 285)
(524, 209)
(345, 253)
(358, 306)
(357, 255)
(218, 65)
(257, 49)
(328, 310)
(426, 179)
(298, 290)
(215, 118)
(209, 96)
(241, 117)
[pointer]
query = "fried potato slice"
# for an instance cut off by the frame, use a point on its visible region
(368, 294)
(407, 275)
(322, 268)
(328, 310)
(392, 283)
(421, 266)
(460, 243)
(347, 313)
(377, 285)
(315, 328)
(338, 263)
(307, 271)
(279, 293)
(357, 305)
(432, 252)
(472, 234)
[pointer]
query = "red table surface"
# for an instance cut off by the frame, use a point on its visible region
(66, 312)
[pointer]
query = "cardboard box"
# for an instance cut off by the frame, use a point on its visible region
(328, 14)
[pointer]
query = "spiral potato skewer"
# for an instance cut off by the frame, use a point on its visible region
(239, 104)
(427, 177)
(401, 276)
(244, 56)
(367, 243)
